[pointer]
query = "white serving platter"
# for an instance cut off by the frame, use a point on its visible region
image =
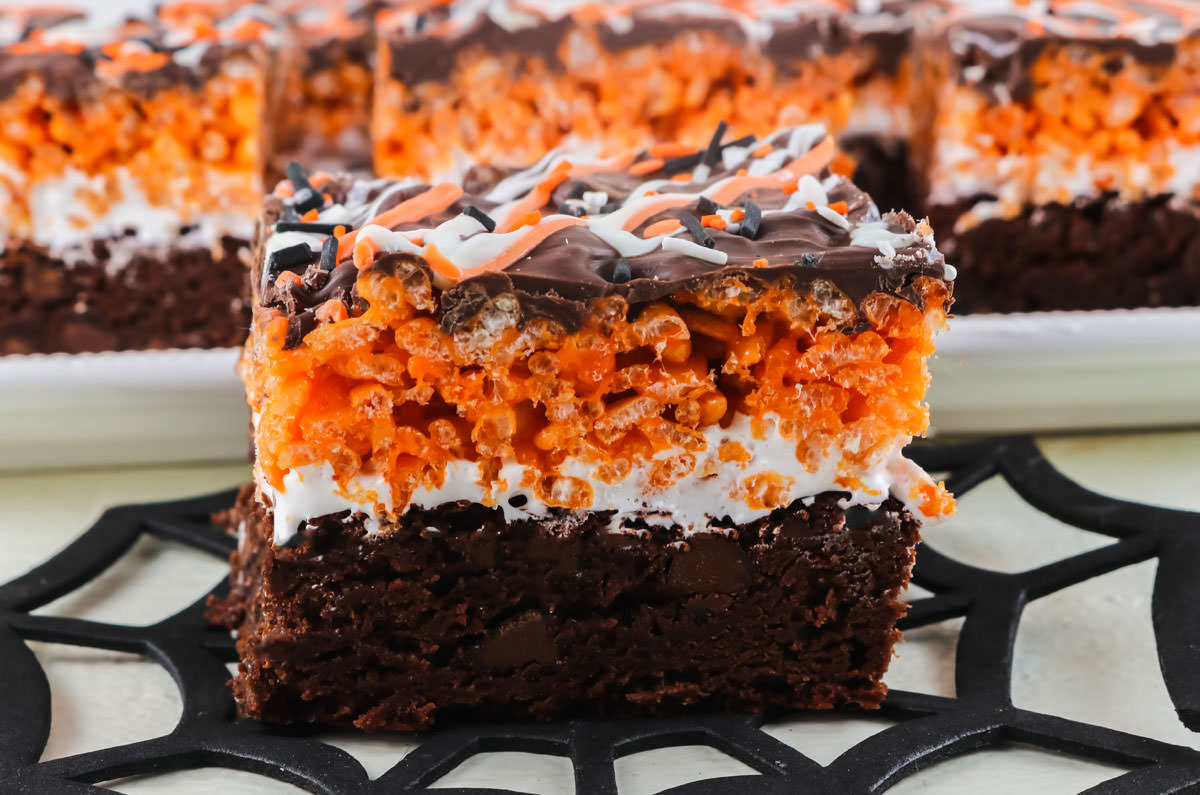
(1054, 371)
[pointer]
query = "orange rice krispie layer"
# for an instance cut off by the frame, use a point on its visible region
(150, 128)
(681, 343)
(1050, 106)
(455, 87)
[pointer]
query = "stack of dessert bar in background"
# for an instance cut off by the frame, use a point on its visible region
(1054, 143)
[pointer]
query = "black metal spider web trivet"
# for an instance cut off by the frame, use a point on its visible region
(931, 728)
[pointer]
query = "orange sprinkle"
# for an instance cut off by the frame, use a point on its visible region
(763, 150)
(655, 207)
(737, 214)
(663, 227)
(715, 221)
(434, 200)
(682, 177)
(761, 262)
(840, 207)
(339, 230)
(741, 172)
(791, 186)
(810, 206)
(647, 166)
(331, 311)
(672, 150)
(310, 216)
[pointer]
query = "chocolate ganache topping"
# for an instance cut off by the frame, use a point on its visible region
(567, 230)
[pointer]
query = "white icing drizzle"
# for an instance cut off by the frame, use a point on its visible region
(693, 249)
(468, 246)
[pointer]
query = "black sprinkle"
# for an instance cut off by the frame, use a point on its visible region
(611, 207)
(705, 206)
(479, 215)
(420, 23)
(713, 152)
(693, 225)
(577, 190)
(517, 500)
(745, 140)
(809, 260)
(305, 226)
(306, 197)
(289, 257)
(329, 251)
(675, 165)
(749, 226)
(577, 210)
(622, 271)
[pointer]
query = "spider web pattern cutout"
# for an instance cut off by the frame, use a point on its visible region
(930, 728)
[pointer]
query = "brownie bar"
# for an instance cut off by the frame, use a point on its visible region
(1098, 254)
(649, 383)
(453, 611)
(130, 173)
(152, 300)
(1061, 160)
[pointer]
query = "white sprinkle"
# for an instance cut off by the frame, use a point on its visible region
(833, 217)
(734, 156)
(681, 246)
(949, 272)
(595, 201)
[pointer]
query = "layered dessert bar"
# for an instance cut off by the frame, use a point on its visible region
(499, 82)
(130, 173)
(616, 436)
(1064, 160)
(324, 115)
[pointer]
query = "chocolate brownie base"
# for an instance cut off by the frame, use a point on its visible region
(189, 298)
(1104, 254)
(454, 613)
